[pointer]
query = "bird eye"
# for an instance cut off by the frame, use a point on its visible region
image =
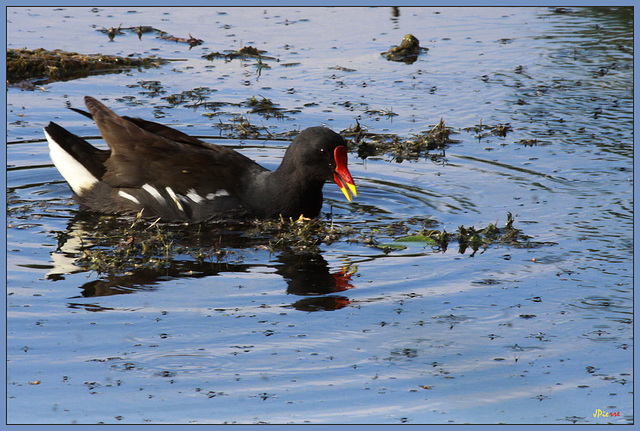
(323, 152)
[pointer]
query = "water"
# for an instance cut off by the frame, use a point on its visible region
(534, 332)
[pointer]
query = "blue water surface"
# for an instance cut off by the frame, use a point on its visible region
(538, 332)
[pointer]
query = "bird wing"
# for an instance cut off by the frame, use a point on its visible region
(144, 152)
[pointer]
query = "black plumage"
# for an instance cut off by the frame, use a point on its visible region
(176, 177)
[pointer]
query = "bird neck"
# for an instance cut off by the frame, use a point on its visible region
(289, 193)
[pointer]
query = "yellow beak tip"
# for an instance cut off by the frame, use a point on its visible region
(346, 193)
(354, 191)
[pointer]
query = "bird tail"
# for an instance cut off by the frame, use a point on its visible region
(80, 163)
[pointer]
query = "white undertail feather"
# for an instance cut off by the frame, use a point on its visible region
(194, 196)
(220, 193)
(154, 192)
(128, 196)
(174, 197)
(78, 177)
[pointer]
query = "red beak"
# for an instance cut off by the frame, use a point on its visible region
(341, 175)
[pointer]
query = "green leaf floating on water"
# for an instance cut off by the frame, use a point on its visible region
(398, 245)
(416, 238)
(389, 247)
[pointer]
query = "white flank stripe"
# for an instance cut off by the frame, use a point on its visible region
(174, 197)
(220, 193)
(194, 196)
(153, 192)
(78, 177)
(128, 196)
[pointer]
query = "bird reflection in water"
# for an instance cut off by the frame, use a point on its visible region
(306, 274)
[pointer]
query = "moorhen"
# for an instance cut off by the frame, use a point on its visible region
(169, 175)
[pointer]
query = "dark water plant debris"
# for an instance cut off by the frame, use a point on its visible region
(484, 130)
(200, 97)
(367, 144)
(528, 142)
(115, 245)
(301, 235)
(192, 41)
(428, 144)
(132, 256)
(502, 129)
(139, 30)
(467, 238)
(381, 112)
(407, 52)
(112, 32)
(151, 88)
(244, 53)
(243, 128)
(50, 66)
(266, 107)
(196, 97)
(342, 68)
(263, 105)
(142, 29)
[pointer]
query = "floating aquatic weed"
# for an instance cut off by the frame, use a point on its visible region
(139, 30)
(407, 52)
(264, 107)
(301, 235)
(267, 108)
(246, 52)
(484, 130)
(528, 142)
(153, 88)
(190, 98)
(142, 29)
(412, 148)
(501, 129)
(58, 65)
(381, 112)
(243, 127)
(115, 245)
(342, 68)
(111, 32)
(192, 41)
(467, 237)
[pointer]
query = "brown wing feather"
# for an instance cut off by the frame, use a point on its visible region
(146, 152)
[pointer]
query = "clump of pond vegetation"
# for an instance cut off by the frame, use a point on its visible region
(112, 32)
(48, 66)
(367, 144)
(244, 53)
(116, 245)
(407, 52)
(267, 108)
(32, 67)
(484, 130)
(468, 238)
(301, 235)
